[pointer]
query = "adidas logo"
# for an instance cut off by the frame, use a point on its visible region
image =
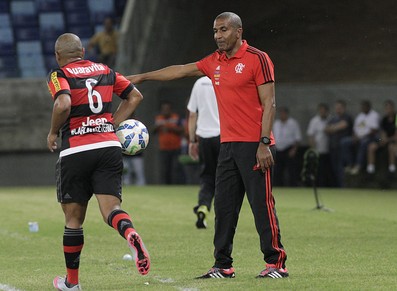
(217, 275)
(274, 275)
(67, 196)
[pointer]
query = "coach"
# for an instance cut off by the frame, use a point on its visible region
(243, 79)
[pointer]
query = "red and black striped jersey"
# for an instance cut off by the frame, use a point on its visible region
(236, 82)
(91, 87)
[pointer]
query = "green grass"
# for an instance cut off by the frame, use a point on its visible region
(352, 248)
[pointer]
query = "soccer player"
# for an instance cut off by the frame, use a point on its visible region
(243, 79)
(204, 142)
(90, 159)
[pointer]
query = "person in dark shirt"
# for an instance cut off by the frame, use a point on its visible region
(387, 139)
(339, 126)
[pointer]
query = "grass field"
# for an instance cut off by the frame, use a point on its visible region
(351, 248)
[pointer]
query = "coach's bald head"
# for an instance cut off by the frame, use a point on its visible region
(68, 48)
(233, 18)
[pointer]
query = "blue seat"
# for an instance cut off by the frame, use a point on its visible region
(28, 47)
(50, 62)
(77, 18)
(49, 5)
(48, 46)
(99, 16)
(6, 35)
(4, 7)
(27, 33)
(24, 13)
(31, 61)
(51, 25)
(5, 20)
(100, 9)
(7, 49)
(33, 72)
(75, 5)
(23, 7)
(81, 31)
(21, 20)
(8, 62)
(101, 5)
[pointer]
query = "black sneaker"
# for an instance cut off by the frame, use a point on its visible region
(218, 273)
(272, 272)
(201, 213)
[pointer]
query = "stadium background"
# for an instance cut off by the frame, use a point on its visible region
(322, 51)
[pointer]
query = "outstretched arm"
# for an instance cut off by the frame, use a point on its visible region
(168, 73)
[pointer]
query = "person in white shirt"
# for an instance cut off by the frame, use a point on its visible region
(288, 135)
(204, 142)
(365, 131)
(318, 140)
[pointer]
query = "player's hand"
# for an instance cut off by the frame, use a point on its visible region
(52, 142)
(264, 157)
(193, 151)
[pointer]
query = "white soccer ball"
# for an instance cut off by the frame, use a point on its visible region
(133, 136)
(127, 257)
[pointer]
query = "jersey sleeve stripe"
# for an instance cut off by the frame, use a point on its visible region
(126, 91)
(65, 91)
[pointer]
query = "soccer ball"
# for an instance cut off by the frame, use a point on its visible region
(133, 136)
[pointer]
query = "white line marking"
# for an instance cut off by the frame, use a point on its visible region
(170, 280)
(165, 280)
(8, 288)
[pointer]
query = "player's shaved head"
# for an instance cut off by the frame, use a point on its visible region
(68, 46)
(233, 18)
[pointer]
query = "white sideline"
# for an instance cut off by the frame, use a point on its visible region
(7, 288)
(170, 280)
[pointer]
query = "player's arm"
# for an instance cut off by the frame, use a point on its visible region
(266, 92)
(192, 126)
(168, 73)
(60, 114)
(127, 106)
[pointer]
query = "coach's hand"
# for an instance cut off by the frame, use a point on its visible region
(264, 157)
(134, 79)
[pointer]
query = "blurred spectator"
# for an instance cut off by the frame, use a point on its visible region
(365, 130)
(134, 170)
(106, 42)
(318, 140)
(204, 145)
(387, 139)
(169, 127)
(288, 135)
(338, 127)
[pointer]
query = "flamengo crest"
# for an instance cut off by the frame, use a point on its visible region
(239, 68)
